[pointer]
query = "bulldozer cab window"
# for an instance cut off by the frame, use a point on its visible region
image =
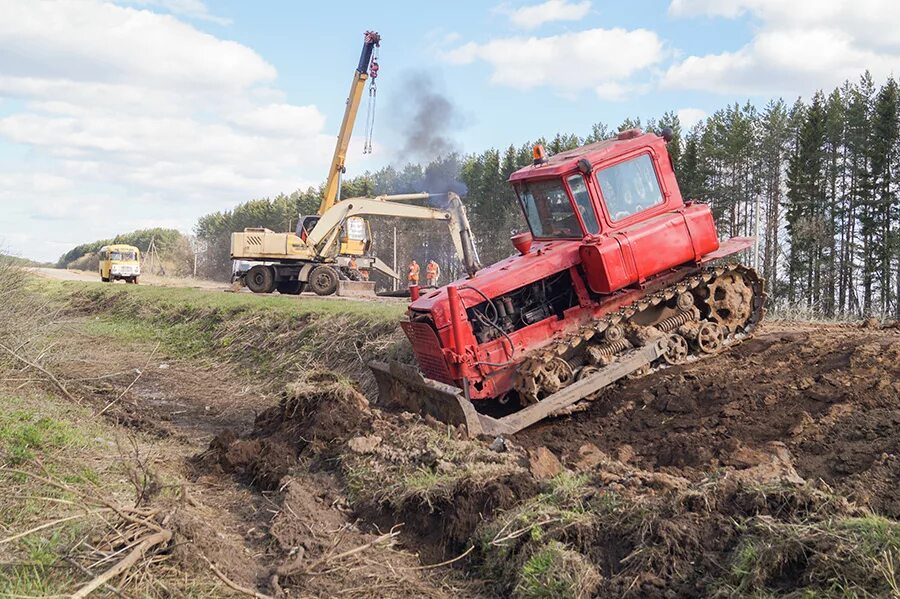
(629, 187)
(548, 209)
(583, 201)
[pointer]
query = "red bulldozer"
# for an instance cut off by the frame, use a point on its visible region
(618, 275)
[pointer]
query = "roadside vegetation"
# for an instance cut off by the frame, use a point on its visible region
(85, 506)
(274, 338)
(82, 456)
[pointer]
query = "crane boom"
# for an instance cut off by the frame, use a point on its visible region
(360, 76)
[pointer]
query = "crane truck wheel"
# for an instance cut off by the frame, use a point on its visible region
(260, 279)
(290, 287)
(323, 280)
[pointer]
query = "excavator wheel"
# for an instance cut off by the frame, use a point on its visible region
(323, 280)
(260, 279)
(290, 287)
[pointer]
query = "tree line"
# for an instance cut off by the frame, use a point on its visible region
(817, 179)
(819, 182)
(172, 246)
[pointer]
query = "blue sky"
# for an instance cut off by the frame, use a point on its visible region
(124, 114)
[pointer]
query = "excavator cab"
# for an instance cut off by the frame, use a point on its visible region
(356, 235)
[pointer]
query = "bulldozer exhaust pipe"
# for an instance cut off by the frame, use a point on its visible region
(470, 254)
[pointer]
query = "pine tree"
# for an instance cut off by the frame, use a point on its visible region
(806, 193)
(885, 138)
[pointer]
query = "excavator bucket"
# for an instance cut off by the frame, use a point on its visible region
(403, 386)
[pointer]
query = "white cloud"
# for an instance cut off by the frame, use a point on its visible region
(131, 117)
(688, 117)
(799, 47)
(612, 91)
(194, 9)
(598, 59)
(281, 119)
(531, 17)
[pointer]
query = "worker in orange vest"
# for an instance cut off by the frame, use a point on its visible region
(413, 273)
(432, 272)
(352, 262)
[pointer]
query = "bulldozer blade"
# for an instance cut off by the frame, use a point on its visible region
(403, 386)
(400, 385)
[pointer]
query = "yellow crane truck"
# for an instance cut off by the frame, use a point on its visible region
(288, 262)
(265, 261)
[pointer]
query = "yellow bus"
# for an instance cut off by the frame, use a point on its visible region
(120, 261)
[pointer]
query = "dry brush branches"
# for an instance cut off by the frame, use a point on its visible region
(131, 538)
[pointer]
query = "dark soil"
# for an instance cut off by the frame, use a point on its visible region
(676, 476)
(830, 394)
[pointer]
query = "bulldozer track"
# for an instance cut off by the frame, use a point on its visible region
(715, 309)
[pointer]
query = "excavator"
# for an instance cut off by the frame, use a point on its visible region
(616, 276)
(289, 262)
(318, 254)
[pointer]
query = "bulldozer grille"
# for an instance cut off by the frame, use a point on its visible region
(428, 352)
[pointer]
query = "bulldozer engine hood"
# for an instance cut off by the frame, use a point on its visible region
(545, 259)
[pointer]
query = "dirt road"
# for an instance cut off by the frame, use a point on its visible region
(59, 274)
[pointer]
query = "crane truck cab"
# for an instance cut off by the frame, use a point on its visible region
(119, 262)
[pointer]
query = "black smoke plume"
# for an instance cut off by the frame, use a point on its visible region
(427, 120)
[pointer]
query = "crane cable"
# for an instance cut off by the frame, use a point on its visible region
(370, 112)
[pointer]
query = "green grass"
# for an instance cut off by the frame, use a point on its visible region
(184, 299)
(180, 340)
(555, 572)
(61, 437)
(841, 557)
(26, 430)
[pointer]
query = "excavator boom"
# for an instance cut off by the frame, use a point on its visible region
(324, 238)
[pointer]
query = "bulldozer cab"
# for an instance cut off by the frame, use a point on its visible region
(599, 188)
(558, 208)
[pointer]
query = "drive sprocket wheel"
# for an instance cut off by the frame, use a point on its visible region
(730, 300)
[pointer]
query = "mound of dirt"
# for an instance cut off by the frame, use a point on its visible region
(313, 416)
(828, 394)
(730, 476)
(440, 486)
(639, 533)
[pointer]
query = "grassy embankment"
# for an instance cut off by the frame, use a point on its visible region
(274, 337)
(67, 476)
